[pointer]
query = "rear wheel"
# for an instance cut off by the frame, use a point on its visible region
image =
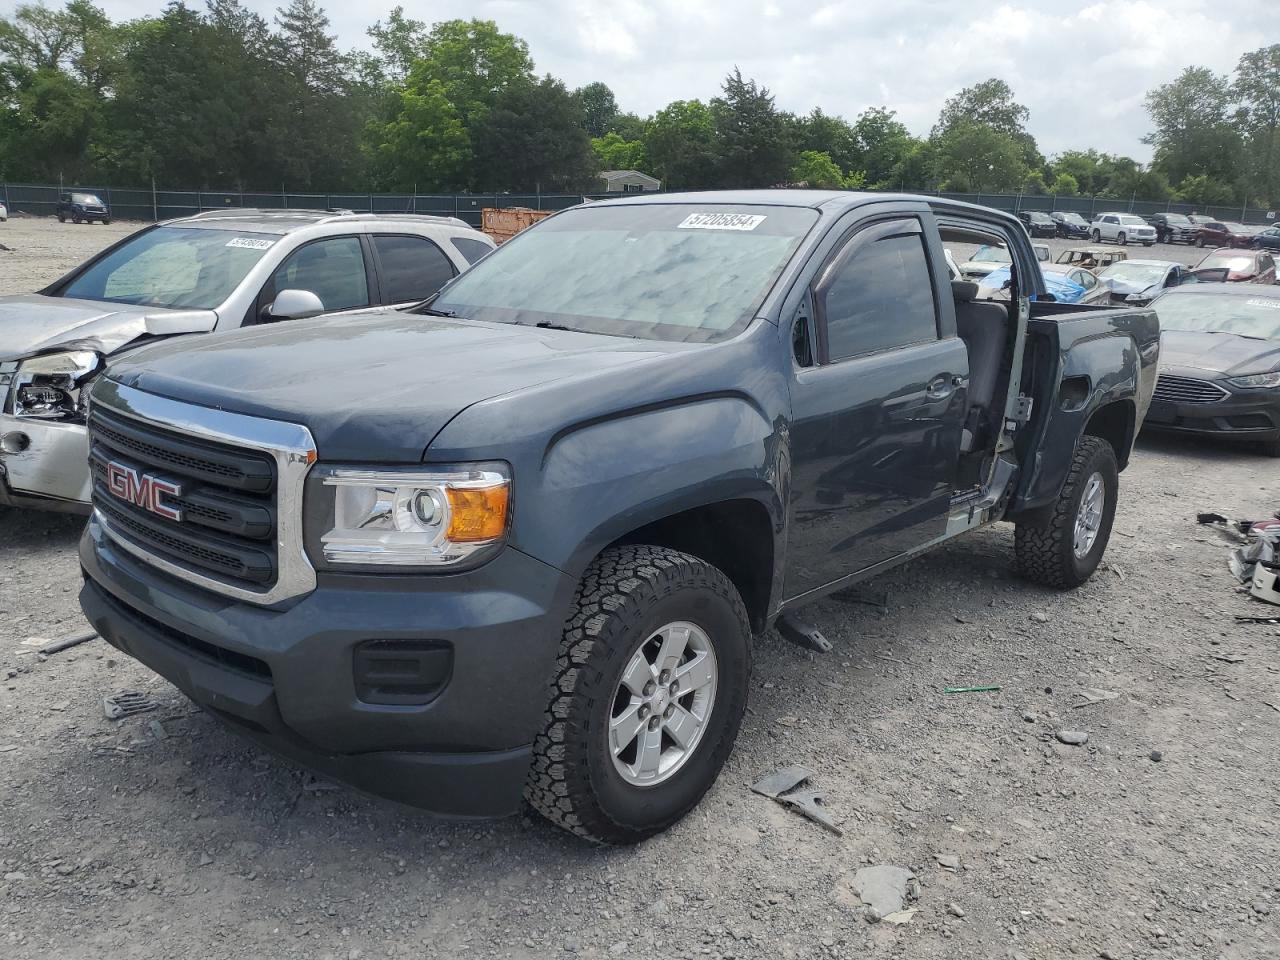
(649, 692)
(1064, 549)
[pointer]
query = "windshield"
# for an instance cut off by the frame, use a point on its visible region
(1175, 218)
(1134, 272)
(178, 267)
(1040, 218)
(1134, 220)
(1074, 218)
(87, 198)
(992, 255)
(1220, 313)
(656, 271)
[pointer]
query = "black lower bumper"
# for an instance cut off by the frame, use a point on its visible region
(285, 678)
(1249, 419)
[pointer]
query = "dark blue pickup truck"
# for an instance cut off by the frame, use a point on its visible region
(515, 541)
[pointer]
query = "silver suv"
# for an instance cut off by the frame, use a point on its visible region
(215, 271)
(1122, 228)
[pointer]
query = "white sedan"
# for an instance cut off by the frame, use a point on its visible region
(4, 213)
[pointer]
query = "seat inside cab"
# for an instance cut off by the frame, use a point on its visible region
(986, 318)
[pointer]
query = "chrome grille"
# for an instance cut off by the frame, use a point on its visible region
(229, 518)
(1187, 390)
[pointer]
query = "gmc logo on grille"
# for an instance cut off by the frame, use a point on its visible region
(142, 489)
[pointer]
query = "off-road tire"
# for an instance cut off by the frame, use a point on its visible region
(1045, 551)
(626, 593)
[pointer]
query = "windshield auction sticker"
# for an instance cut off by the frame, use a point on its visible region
(720, 221)
(249, 243)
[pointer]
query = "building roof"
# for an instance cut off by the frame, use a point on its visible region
(619, 174)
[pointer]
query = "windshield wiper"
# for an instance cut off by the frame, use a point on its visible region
(433, 312)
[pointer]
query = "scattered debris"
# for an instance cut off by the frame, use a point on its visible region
(1092, 695)
(1211, 518)
(900, 916)
(1227, 657)
(75, 639)
(783, 787)
(1040, 617)
(1156, 756)
(1240, 619)
(125, 703)
(158, 731)
(955, 910)
(1255, 562)
(886, 890)
(948, 861)
(1072, 738)
(987, 689)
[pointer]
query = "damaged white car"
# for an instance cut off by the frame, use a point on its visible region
(208, 273)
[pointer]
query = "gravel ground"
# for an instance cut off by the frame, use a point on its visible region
(162, 835)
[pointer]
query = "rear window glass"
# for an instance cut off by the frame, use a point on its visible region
(473, 250)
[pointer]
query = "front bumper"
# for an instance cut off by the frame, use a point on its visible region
(285, 677)
(1246, 415)
(51, 471)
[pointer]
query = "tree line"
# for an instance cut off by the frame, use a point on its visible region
(222, 98)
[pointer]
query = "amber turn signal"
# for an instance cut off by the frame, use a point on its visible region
(477, 514)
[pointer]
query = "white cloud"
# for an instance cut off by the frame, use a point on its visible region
(1082, 72)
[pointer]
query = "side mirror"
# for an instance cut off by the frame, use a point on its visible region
(295, 305)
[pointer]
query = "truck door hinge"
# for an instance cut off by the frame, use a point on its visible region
(1021, 411)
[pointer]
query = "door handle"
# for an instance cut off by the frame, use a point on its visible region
(941, 387)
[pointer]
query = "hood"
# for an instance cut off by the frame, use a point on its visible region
(377, 385)
(1223, 354)
(980, 267)
(33, 323)
(1126, 287)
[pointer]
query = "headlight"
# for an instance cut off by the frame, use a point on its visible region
(52, 386)
(1137, 297)
(428, 516)
(1257, 380)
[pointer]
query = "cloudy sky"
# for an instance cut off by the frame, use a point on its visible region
(1082, 68)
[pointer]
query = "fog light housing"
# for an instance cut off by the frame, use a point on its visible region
(402, 672)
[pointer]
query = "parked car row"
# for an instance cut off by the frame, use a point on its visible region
(1125, 228)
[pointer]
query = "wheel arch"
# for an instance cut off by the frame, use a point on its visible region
(737, 536)
(1115, 423)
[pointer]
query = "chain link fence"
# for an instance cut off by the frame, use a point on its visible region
(158, 204)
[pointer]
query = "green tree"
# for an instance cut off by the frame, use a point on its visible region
(819, 132)
(1204, 190)
(532, 139)
(751, 136)
(475, 63)
(1194, 134)
(680, 145)
(398, 42)
(816, 169)
(987, 104)
(1257, 88)
(425, 146)
(883, 146)
(976, 158)
(626, 125)
(614, 153)
(599, 108)
(1064, 185)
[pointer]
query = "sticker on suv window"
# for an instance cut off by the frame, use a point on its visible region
(249, 243)
(720, 221)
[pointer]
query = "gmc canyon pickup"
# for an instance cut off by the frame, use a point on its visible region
(516, 540)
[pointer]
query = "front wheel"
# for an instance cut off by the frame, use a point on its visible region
(648, 695)
(1065, 549)
(106, 221)
(1122, 239)
(1199, 241)
(1097, 236)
